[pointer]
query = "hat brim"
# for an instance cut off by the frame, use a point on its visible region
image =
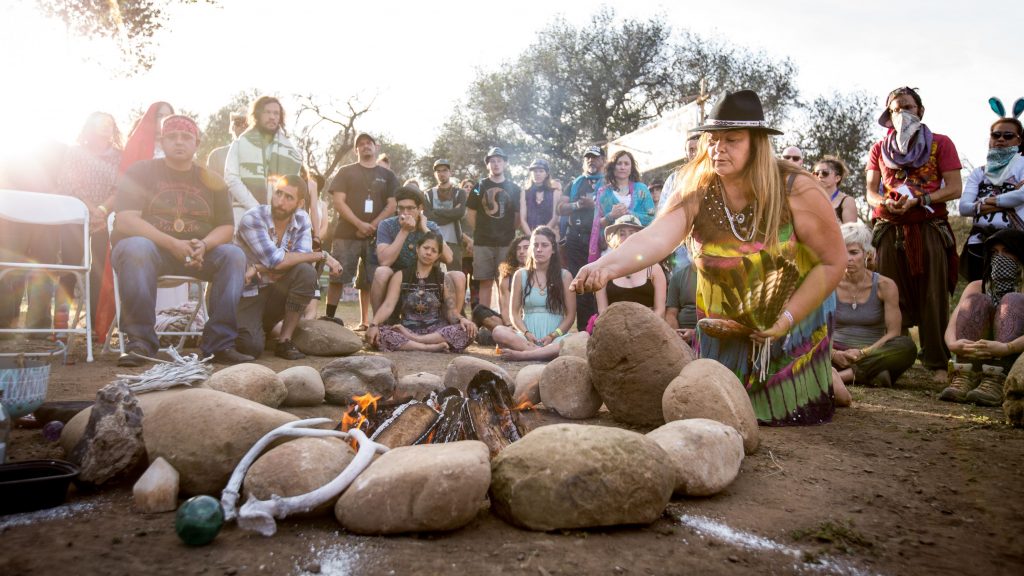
(723, 128)
(611, 230)
(885, 119)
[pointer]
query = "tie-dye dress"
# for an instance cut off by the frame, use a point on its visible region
(743, 281)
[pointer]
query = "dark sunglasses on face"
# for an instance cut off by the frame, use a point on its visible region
(1003, 135)
(822, 173)
(792, 158)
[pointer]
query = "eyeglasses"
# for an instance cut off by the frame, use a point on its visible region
(822, 173)
(1003, 135)
(406, 208)
(792, 158)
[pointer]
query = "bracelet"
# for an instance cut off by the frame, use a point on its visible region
(788, 316)
(926, 199)
(103, 209)
(206, 248)
(558, 332)
(865, 351)
(371, 325)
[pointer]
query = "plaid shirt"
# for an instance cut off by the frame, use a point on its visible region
(258, 239)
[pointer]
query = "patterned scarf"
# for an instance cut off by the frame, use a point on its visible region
(1005, 276)
(259, 160)
(1000, 163)
(908, 145)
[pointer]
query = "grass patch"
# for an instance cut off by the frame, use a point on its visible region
(839, 535)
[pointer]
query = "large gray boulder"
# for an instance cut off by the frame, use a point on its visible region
(204, 433)
(567, 476)
(325, 338)
(73, 430)
(297, 467)
(633, 355)
(706, 454)
(250, 381)
(358, 375)
(305, 386)
(463, 369)
(707, 389)
(424, 488)
(565, 386)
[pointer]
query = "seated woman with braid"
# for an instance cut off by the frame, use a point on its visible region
(986, 330)
(543, 306)
(867, 348)
(427, 306)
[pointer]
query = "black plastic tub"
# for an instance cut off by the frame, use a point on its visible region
(34, 484)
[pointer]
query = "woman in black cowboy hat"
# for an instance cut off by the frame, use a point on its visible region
(769, 256)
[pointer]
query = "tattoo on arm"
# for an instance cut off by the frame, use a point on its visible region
(450, 309)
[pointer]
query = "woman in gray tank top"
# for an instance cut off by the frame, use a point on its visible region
(868, 347)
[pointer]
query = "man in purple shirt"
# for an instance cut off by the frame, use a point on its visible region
(280, 277)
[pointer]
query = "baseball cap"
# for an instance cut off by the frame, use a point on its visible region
(362, 135)
(593, 151)
(540, 163)
(442, 162)
(495, 151)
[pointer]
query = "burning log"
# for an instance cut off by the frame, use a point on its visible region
(449, 425)
(490, 411)
(407, 425)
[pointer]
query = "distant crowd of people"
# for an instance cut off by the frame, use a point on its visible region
(754, 260)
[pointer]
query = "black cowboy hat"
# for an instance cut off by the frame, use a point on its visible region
(740, 110)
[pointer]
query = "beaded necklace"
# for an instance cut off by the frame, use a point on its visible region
(739, 218)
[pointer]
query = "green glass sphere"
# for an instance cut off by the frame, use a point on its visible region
(199, 520)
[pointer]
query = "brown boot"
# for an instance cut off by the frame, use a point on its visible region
(961, 381)
(990, 391)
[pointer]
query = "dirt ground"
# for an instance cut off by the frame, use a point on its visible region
(898, 484)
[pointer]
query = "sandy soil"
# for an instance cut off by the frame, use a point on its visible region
(898, 484)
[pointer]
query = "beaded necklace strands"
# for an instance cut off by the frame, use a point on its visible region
(737, 218)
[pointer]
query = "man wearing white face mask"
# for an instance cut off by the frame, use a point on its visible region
(919, 171)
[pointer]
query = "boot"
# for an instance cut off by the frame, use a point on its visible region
(990, 391)
(961, 381)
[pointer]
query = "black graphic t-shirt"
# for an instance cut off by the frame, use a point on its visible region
(496, 206)
(182, 204)
(366, 194)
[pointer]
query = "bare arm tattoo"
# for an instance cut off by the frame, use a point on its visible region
(451, 312)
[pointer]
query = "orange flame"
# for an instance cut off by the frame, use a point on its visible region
(523, 406)
(366, 400)
(355, 416)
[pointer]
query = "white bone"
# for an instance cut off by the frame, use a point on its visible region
(258, 515)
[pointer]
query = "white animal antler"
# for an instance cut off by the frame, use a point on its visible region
(258, 515)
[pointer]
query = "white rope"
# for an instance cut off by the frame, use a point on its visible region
(179, 371)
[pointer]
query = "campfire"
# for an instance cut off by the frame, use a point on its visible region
(486, 413)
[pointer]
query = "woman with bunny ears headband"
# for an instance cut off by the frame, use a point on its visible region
(994, 193)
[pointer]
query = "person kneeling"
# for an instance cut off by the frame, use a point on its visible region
(281, 277)
(427, 307)
(992, 307)
(543, 306)
(867, 347)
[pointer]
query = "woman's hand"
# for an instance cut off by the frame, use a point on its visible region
(618, 210)
(781, 327)
(468, 326)
(990, 349)
(590, 278)
(962, 347)
(372, 335)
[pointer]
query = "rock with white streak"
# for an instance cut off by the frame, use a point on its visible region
(157, 489)
(426, 488)
(706, 454)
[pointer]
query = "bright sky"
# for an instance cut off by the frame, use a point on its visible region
(414, 57)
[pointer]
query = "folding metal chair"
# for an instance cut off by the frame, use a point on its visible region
(169, 281)
(38, 209)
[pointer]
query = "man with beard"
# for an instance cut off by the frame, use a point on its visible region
(260, 156)
(919, 171)
(492, 213)
(280, 277)
(578, 206)
(174, 218)
(218, 156)
(364, 195)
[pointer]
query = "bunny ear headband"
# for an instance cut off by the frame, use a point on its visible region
(997, 106)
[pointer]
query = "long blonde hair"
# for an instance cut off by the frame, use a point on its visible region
(764, 175)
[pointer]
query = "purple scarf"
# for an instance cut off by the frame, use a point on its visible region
(914, 158)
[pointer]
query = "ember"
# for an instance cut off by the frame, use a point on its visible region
(486, 413)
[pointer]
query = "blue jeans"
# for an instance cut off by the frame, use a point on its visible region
(139, 262)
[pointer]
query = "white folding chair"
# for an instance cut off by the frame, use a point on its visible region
(168, 281)
(35, 208)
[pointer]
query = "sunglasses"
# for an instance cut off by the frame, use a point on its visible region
(1003, 135)
(793, 158)
(822, 173)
